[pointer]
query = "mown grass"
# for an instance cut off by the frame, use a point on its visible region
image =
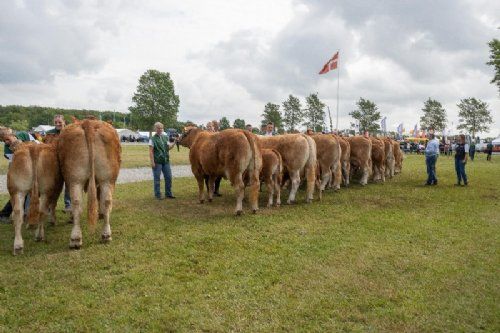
(393, 257)
(133, 156)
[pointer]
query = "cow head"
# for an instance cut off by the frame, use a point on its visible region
(188, 135)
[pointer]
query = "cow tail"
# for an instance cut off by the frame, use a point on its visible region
(34, 209)
(92, 190)
(252, 143)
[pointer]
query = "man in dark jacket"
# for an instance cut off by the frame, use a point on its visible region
(461, 152)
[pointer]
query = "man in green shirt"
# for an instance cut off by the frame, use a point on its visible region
(159, 147)
(9, 137)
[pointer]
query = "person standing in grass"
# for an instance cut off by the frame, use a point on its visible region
(461, 152)
(489, 151)
(159, 147)
(472, 150)
(431, 156)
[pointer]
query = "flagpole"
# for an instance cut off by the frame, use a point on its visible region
(338, 86)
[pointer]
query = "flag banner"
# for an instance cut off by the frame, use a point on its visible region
(383, 124)
(331, 64)
(415, 130)
(400, 129)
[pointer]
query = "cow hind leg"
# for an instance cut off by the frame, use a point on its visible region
(106, 205)
(44, 210)
(310, 177)
(254, 191)
(277, 188)
(239, 190)
(270, 191)
(76, 211)
(201, 187)
(17, 215)
(211, 187)
(295, 181)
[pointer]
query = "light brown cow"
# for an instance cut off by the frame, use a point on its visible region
(398, 157)
(233, 154)
(34, 169)
(90, 155)
(298, 152)
(389, 157)
(361, 157)
(345, 159)
(378, 159)
(271, 174)
(328, 159)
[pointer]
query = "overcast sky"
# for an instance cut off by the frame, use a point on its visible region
(232, 57)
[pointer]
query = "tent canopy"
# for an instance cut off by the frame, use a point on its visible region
(43, 128)
(127, 133)
(496, 141)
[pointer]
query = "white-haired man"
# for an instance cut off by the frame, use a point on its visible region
(159, 147)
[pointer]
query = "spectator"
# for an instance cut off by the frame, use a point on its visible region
(461, 160)
(159, 148)
(269, 129)
(431, 156)
(489, 151)
(472, 151)
(366, 134)
(309, 131)
(249, 127)
(9, 137)
(59, 124)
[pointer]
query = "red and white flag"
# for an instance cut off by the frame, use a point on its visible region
(331, 64)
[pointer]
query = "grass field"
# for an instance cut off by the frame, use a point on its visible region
(393, 257)
(133, 156)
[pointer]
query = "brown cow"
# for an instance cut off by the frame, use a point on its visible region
(398, 157)
(328, 158)
(378, 159)
(90, 155)
(298, 152)
(345, 159)
(233, 154)
(361, 157)
(34, 169)
(389, 157)
(271, 174)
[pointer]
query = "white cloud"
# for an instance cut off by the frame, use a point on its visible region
(231, 57)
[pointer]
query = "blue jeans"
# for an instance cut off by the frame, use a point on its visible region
(430, 161)
(167, 175)
(460, 169)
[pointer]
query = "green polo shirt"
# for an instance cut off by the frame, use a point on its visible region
(53, 131)
(160, 148)
(23, 136)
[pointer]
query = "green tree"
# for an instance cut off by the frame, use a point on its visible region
(434, 116)
(272, 114)
(155, 100)
(224, 124)
(367, 114)
(474, 116)
(315, 113)
(495, 60)
(239, 123)
(293, 114)
(20, 125)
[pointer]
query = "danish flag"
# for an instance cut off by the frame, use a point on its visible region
(331, 64)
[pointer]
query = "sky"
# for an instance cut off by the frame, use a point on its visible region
(230, 58)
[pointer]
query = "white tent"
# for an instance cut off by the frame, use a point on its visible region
(496, 141)
(127, 133)
(43, 128)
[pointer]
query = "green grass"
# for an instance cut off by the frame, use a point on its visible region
(393, 257)
(133, 156)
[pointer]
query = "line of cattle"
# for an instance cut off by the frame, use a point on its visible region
(246, 160)
(86, 156)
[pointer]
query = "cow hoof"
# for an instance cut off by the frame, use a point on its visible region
(18, 250)
(75, 244)
(106, 238)
(239, 212)
(30, 226)
(308, 201)
(254, 211)
(292, 202)
(101, 216)
(202, 201)
(39, 239)
(209, 200)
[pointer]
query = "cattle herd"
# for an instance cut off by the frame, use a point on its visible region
(322, 160)
(86, 157)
